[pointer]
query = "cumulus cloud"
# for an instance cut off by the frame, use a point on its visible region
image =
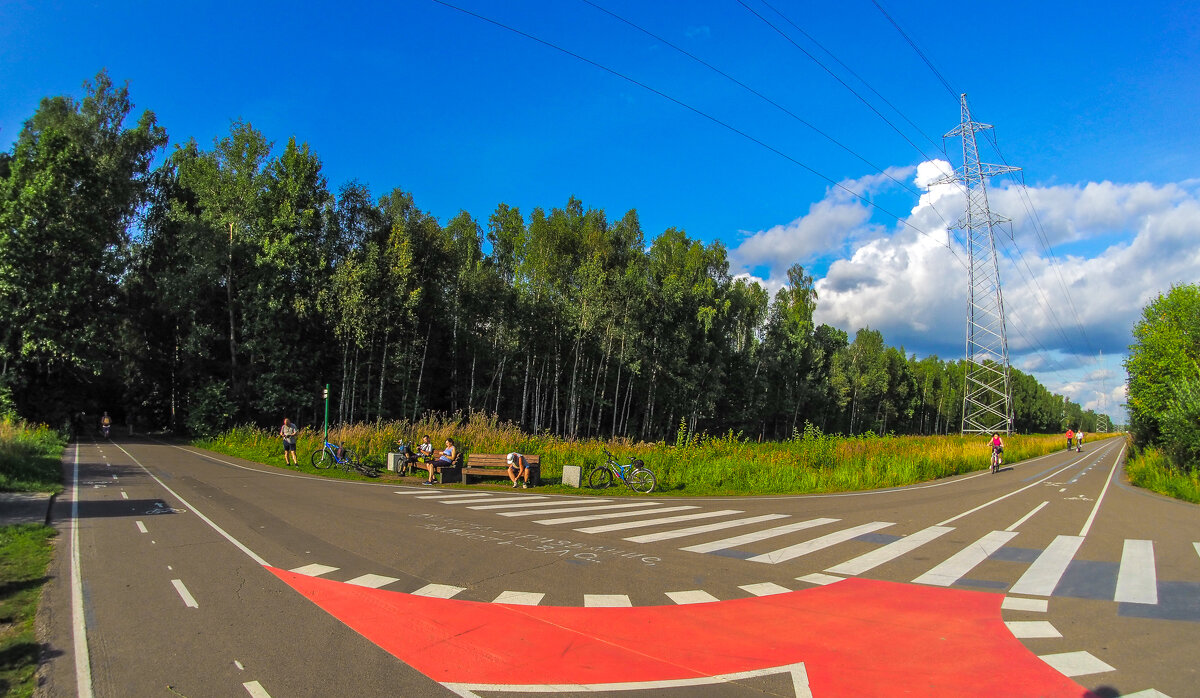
(1061, 308)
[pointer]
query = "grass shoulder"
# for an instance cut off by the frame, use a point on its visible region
(1151, 469)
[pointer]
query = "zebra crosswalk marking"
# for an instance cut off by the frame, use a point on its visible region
(764, 589)
(520, 598)
(656, 522)
(372, 581)
(1136, 580)
(1012, 603)
(809, 546)
(507, 500)
(1075, 663)
(469, 495)
(1032, 629)
(687, 597)
(617, 515)
(889, 552)
(965, 560)
(756, 536)
(572, 510)
(438, 591)
(606, 601)
(314, 570)
(1047, 570)
(706, 528)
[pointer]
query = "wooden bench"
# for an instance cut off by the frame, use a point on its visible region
(496, 465)
(449, 473)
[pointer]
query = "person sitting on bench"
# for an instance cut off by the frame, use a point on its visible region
(518, 469)
(445, 460)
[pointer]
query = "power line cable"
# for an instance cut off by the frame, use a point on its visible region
(945, 83)
(698, 112)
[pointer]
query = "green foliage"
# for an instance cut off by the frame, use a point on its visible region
(25, 553)
(1154, 470)
(1163, 376)
(212, 409)
(30, 457)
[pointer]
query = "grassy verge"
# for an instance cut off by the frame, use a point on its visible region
(1151, 469)
(30, 457)
(25, 552)
(812, 462)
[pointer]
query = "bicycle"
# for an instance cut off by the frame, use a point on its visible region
(332, 454)
(634, 474)
(997, 460)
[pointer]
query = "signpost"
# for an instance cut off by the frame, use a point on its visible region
(326, 396)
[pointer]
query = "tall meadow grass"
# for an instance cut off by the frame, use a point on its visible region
(30, 457)
(701, 465)
(1153, 470)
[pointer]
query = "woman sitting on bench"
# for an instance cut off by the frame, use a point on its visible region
(445, 460)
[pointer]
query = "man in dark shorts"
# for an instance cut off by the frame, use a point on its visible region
(288, 433)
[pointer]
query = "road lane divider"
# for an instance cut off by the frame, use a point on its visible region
(1026, 517)
(188, 599)
(1087, 526)
(255, 690)
(83, 666)
(141, 527)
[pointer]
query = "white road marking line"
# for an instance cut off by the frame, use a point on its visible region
(1075, 663)
(188, 599)
(1026, 517)
(965, 560)
(1197, 547)
(1087, 526)
(618, 515)
(1062, 489)
(1046, 571)
(256, 690)
(124, 494)
(756, 536)
(1148, 693)
(765, 589)
(606, 601)
(1012, 603)
(237, 543)
(1137, 581)
(527, 504)
(471, 495)
(520, 598)
(83, 666)
(810, 546)
(800, 685)
(438, 591)
(238, 664)
(889, 552)
(114, 476)
(657, 522)
(526, 498)
(819, 578)
(1031, 629)
(952, 519)
(690, 597)
(570, 510)
(141, 527)
(314, 570)
(706, 528)
(372, 581)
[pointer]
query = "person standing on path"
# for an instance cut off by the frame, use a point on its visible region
(288, 433)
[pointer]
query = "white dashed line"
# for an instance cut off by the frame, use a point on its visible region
(690, 597)
(256, 690)
(765, 589)
(819, 579)
(1030, 629)
(141, 527)
(124, 494)
(1026, 517)
(438, 591)
(1044, 574)
(1137, 581)
(1075, 663)
(188, 599)
(520, 598)
(792, 552)
(1012, 603)
(372, 581)
(314, 570)
(606, 601)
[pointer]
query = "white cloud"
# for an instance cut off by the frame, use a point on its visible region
(1060, 310)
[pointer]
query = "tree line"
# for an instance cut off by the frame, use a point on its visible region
(230, 284)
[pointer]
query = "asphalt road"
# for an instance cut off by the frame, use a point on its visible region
(183, 572)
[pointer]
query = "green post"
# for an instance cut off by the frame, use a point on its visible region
(326, 414)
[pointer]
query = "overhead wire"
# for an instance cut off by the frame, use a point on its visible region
(698, 112)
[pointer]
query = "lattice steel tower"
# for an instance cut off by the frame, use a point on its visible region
(987, 396)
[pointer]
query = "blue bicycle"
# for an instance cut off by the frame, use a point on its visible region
(331, 455)
(634, 474)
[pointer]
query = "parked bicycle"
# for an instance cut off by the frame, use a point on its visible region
(634, 474)
(335, 455)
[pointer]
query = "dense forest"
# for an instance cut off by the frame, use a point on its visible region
(209, 286)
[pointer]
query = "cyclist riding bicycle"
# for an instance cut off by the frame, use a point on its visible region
(105, 424)
(997, 449)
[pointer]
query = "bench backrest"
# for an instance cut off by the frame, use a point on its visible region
(498, 460)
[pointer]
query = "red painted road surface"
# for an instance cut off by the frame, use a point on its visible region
(856, 637)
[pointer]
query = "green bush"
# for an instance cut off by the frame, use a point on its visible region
(30, 457)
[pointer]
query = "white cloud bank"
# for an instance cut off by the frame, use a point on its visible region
(1112, 249)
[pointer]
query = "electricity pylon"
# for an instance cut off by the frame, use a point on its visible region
(987, 395)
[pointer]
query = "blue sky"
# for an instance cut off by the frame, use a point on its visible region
(1097, 103)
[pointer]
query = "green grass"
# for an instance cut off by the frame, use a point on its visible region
(1151, 469)
(30, 457)
(25, 552)
(703, 466)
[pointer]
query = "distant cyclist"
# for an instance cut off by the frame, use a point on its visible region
(1070, 438)
(1079, 441)
(105, 424)
(997, 452)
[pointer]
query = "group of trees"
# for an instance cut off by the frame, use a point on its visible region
(231, 284)
(1164, 377)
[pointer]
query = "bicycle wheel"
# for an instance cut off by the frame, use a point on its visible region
(600, 478)
(349, 461)
(367, 469)
(322, 458)
(642, 480)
